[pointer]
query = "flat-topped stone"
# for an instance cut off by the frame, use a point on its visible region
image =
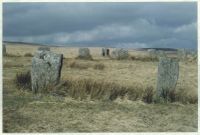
(84, 53)
(119, 53)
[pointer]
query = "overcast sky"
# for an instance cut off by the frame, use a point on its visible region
(132, 25)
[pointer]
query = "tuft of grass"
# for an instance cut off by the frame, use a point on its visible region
(93, 89)
(12, 55)
(148, 95)
(28, 55)
(185, 96)
(77, 65)
(85, 58)
(101, 90)
(10, 65)
(23, 80)
(168, 95)
(99, 66)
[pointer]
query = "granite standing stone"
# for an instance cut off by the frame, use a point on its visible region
(4, 49)
(119, 54)
(46, 70)
(84, 53)
(105, 52)
(182, 54)
(161, 53)
(152, 53)
(168, 73)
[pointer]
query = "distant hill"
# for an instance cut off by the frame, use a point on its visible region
(24, 43)
(36, 44)
(163, 49)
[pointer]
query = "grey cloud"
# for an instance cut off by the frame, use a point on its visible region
(113, 24)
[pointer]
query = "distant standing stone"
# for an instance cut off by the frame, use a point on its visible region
(84, 53)
(182, 54)
(161, 54)
(46, 70)
(152, 53)
(119, 54)
(105, 52)
(4, 49)
(44, 48)
(168, 73)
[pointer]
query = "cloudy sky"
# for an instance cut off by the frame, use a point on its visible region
(126, 25)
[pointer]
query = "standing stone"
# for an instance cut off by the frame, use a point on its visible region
(4, 49)
(44, 48)
(195, 55)
(119, 54)
(168, 73)
(152, 53)
(192, 53)
(161, 54)
(182, 54)
(46, 70)
(84, 53)
(105, 52)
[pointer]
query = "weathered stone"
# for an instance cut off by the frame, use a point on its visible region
(182, 54)
(192, 53)
(161, 54)
(152, 53)
(43, 48)
(168, 73)
(4, 49)
(107, 52)
(103, 52)
(119, 54)
(84, 53)
(46, 70)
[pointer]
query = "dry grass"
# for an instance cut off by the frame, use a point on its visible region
(77, 65)
(148, 95)
(23, 80)
(10, 65)
(28, 55)
(99, 66)
(97, 90)
(143, 58)
(12, 55)
(25, 112)
(85, 58)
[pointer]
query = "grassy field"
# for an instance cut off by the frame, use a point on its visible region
(25, 112)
